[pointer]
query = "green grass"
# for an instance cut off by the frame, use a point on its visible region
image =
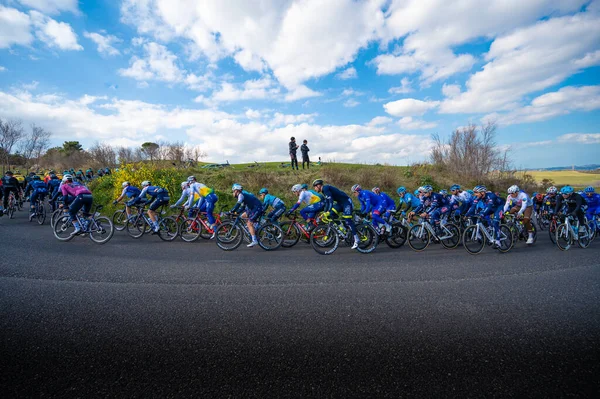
(571, 177)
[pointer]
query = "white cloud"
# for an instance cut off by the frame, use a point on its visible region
(408, 123)
(349, 73)
(259, 89)
(253, 114)
(55, 34)
(450, 90)
(301, 92)
(282, 119)
(14, 28)
(380, 120)
(581, 138)
(409, 107)
(351, 92)
(104, 42)
(351, 103)
(30, 86)
(159, 64)
(564, 101)
(529, 60)
(142, 85)
(2, 69)
(403, 88)
(52, 6)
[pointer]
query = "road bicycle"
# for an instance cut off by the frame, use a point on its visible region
(190, 229)
(140, 224)
(476, 236)
(39, 211)
(119, 219)
(99, 228)
(326, 236)
(11, 207)
(423, 233)
(397, 234)
(570, 231)
(294, 230)
(517, 228)
(230, 234)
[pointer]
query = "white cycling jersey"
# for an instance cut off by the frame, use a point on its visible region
(308, 198)
(521, 199)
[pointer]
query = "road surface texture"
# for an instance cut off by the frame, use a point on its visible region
(145, 318)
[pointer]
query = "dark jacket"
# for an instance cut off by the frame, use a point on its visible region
(304, 149)
(293, 147)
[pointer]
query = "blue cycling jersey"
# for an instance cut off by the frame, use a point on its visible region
(131, 191)
(593, 201)
(410, 201)
(387, 202)
(248, 200)
(271, 200)
(368, 201)
(491, 202)
(333, 194)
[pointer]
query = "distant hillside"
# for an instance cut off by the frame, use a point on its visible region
(581, 167)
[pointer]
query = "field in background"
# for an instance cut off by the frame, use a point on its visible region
(562, 177)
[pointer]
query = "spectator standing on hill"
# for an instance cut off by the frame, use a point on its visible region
(304, 150)
(293, 150)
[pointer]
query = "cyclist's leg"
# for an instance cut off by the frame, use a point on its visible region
(276, 213)
(32, 199)
(210, 207)
(527, 219)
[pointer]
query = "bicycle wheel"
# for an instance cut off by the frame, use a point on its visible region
(63, 228)
(564, 240)
(269, 236)
(119, 220)
(505, 239)
(324, 239)
(367, 238)
(473, 240)
(450, 236)
(291, 234)
(397, 237)
(168, 229)
(136, 227)
(229, 236)
(54, 217)
(11, 211)
(101, 230)
(41, 214)
(190, 230)
(552, 231)
(418, 237)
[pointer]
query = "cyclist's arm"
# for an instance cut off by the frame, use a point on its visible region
(184, 194)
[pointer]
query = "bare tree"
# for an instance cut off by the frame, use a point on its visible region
(103, 155)
(35, 143)
(176, 152)
(11, 131)
(470, 153)
(125, 155)
(194, 153)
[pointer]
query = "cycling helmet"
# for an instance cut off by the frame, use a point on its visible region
(125, 184)
(356, 188)
(444, 192)
(236, 186)
(184, 184)
(513, 189)
(420, 189)
(480, 189)
(455, 187)
(263, 191)
(552, 190)
(427, 189)
(589, 189)
(67, 177)
(53, 176)
(471, 192)
(36, 177)
(317, 182)
(8, 172)
(146, 183)
(304, 186)
(191, 178)
(566, 190)
(376, 190)
(401, 190)
(417, 192)
(296, 188)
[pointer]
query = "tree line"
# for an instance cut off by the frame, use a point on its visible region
(30, 149)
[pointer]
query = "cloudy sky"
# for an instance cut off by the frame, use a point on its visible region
(362, 81)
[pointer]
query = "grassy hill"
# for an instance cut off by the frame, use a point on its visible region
(562, 177)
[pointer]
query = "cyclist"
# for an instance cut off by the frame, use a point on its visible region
(269, 200)
(445, 207)
(206, 201)
(593, 203)
(9, 184)
(38, 190)
(132, 193)
(431, 205)
(550, 200)
(520, 203)
(158, 197)
(314, 203)
(77, 196)
(388, 203)
(538, 201)
(186, 191)
(460, 200)
(371, 203)
(492, 205)
(253, 209)
(408, 201)
(573, 203)
(339, 201)
(53, 186)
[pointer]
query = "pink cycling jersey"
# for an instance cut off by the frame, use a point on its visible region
(74, 189)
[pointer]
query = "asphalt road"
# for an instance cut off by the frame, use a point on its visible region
(144, 318)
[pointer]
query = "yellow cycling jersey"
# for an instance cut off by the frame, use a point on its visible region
(308, 198)
(199, 188)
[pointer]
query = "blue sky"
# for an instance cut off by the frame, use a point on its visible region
(362, 81)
